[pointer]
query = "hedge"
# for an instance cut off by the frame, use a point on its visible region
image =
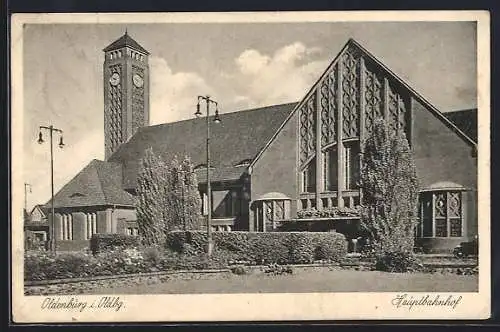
(264, 248)
(104, 242)
(47, 266)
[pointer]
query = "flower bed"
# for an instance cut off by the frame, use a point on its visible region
(46, 266)
(333, 212)
(185, 251)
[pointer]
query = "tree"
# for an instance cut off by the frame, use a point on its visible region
(167, 197)
(183, 195)
(190, 196)
(151, 199)
(390, 190)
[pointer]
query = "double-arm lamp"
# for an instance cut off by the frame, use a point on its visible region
(51, 130)
(216, 119)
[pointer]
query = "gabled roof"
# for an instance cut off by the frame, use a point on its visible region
(239, 136)
(466, 120)
(352, 44)
(99, 183)
(124, 41)
(43, 209)
(415, 94)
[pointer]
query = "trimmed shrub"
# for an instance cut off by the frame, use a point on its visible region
(301, 248)
(266, 248)
(103, 242)
(330, 246)
(263, 248)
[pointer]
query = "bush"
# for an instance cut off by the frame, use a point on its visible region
(301, 248)
(43, 266)
(104, 242)
(397, 262)
(275, 269)
(263, 248)
(239, 270)
(330, 246)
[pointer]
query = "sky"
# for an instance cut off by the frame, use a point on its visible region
(241, 65)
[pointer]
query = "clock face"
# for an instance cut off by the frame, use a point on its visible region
(114, 79)
(138, 81)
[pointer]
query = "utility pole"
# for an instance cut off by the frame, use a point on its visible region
(26, 187)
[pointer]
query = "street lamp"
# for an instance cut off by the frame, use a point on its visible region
(198, 114)
(26, 187)
(51, 130)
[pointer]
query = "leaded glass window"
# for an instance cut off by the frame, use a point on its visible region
(441, 214)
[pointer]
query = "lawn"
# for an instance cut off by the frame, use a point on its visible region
(305, 281)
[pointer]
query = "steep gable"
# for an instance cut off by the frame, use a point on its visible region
(355, 89)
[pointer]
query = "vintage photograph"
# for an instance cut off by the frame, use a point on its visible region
(250, 154)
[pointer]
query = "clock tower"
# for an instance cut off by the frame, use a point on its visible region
(126, 91)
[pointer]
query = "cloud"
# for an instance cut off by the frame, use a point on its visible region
(251, 62)
(173, 95)
(68, 161)
(284, 76)
(257, 80)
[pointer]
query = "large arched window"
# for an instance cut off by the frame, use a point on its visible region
(309, 177)
(330, 158)
(352, 157)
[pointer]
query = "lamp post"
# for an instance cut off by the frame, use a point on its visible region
(26, 187)
(51, 130)
(208, 101)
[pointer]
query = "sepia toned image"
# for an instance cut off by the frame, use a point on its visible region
(263, 167)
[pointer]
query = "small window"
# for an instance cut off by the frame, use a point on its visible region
(134, 231)
(76, 195)
(66, 232)
(90, 225)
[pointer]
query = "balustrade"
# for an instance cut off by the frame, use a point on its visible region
(327, 200)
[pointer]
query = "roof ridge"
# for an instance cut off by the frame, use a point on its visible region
(461, 110)
(222, 114)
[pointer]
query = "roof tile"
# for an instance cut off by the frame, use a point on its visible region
(124, 41)
(240, 136)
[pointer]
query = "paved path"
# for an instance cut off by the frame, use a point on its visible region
(309, 281)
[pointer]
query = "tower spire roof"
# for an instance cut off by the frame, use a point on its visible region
(124, 41)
